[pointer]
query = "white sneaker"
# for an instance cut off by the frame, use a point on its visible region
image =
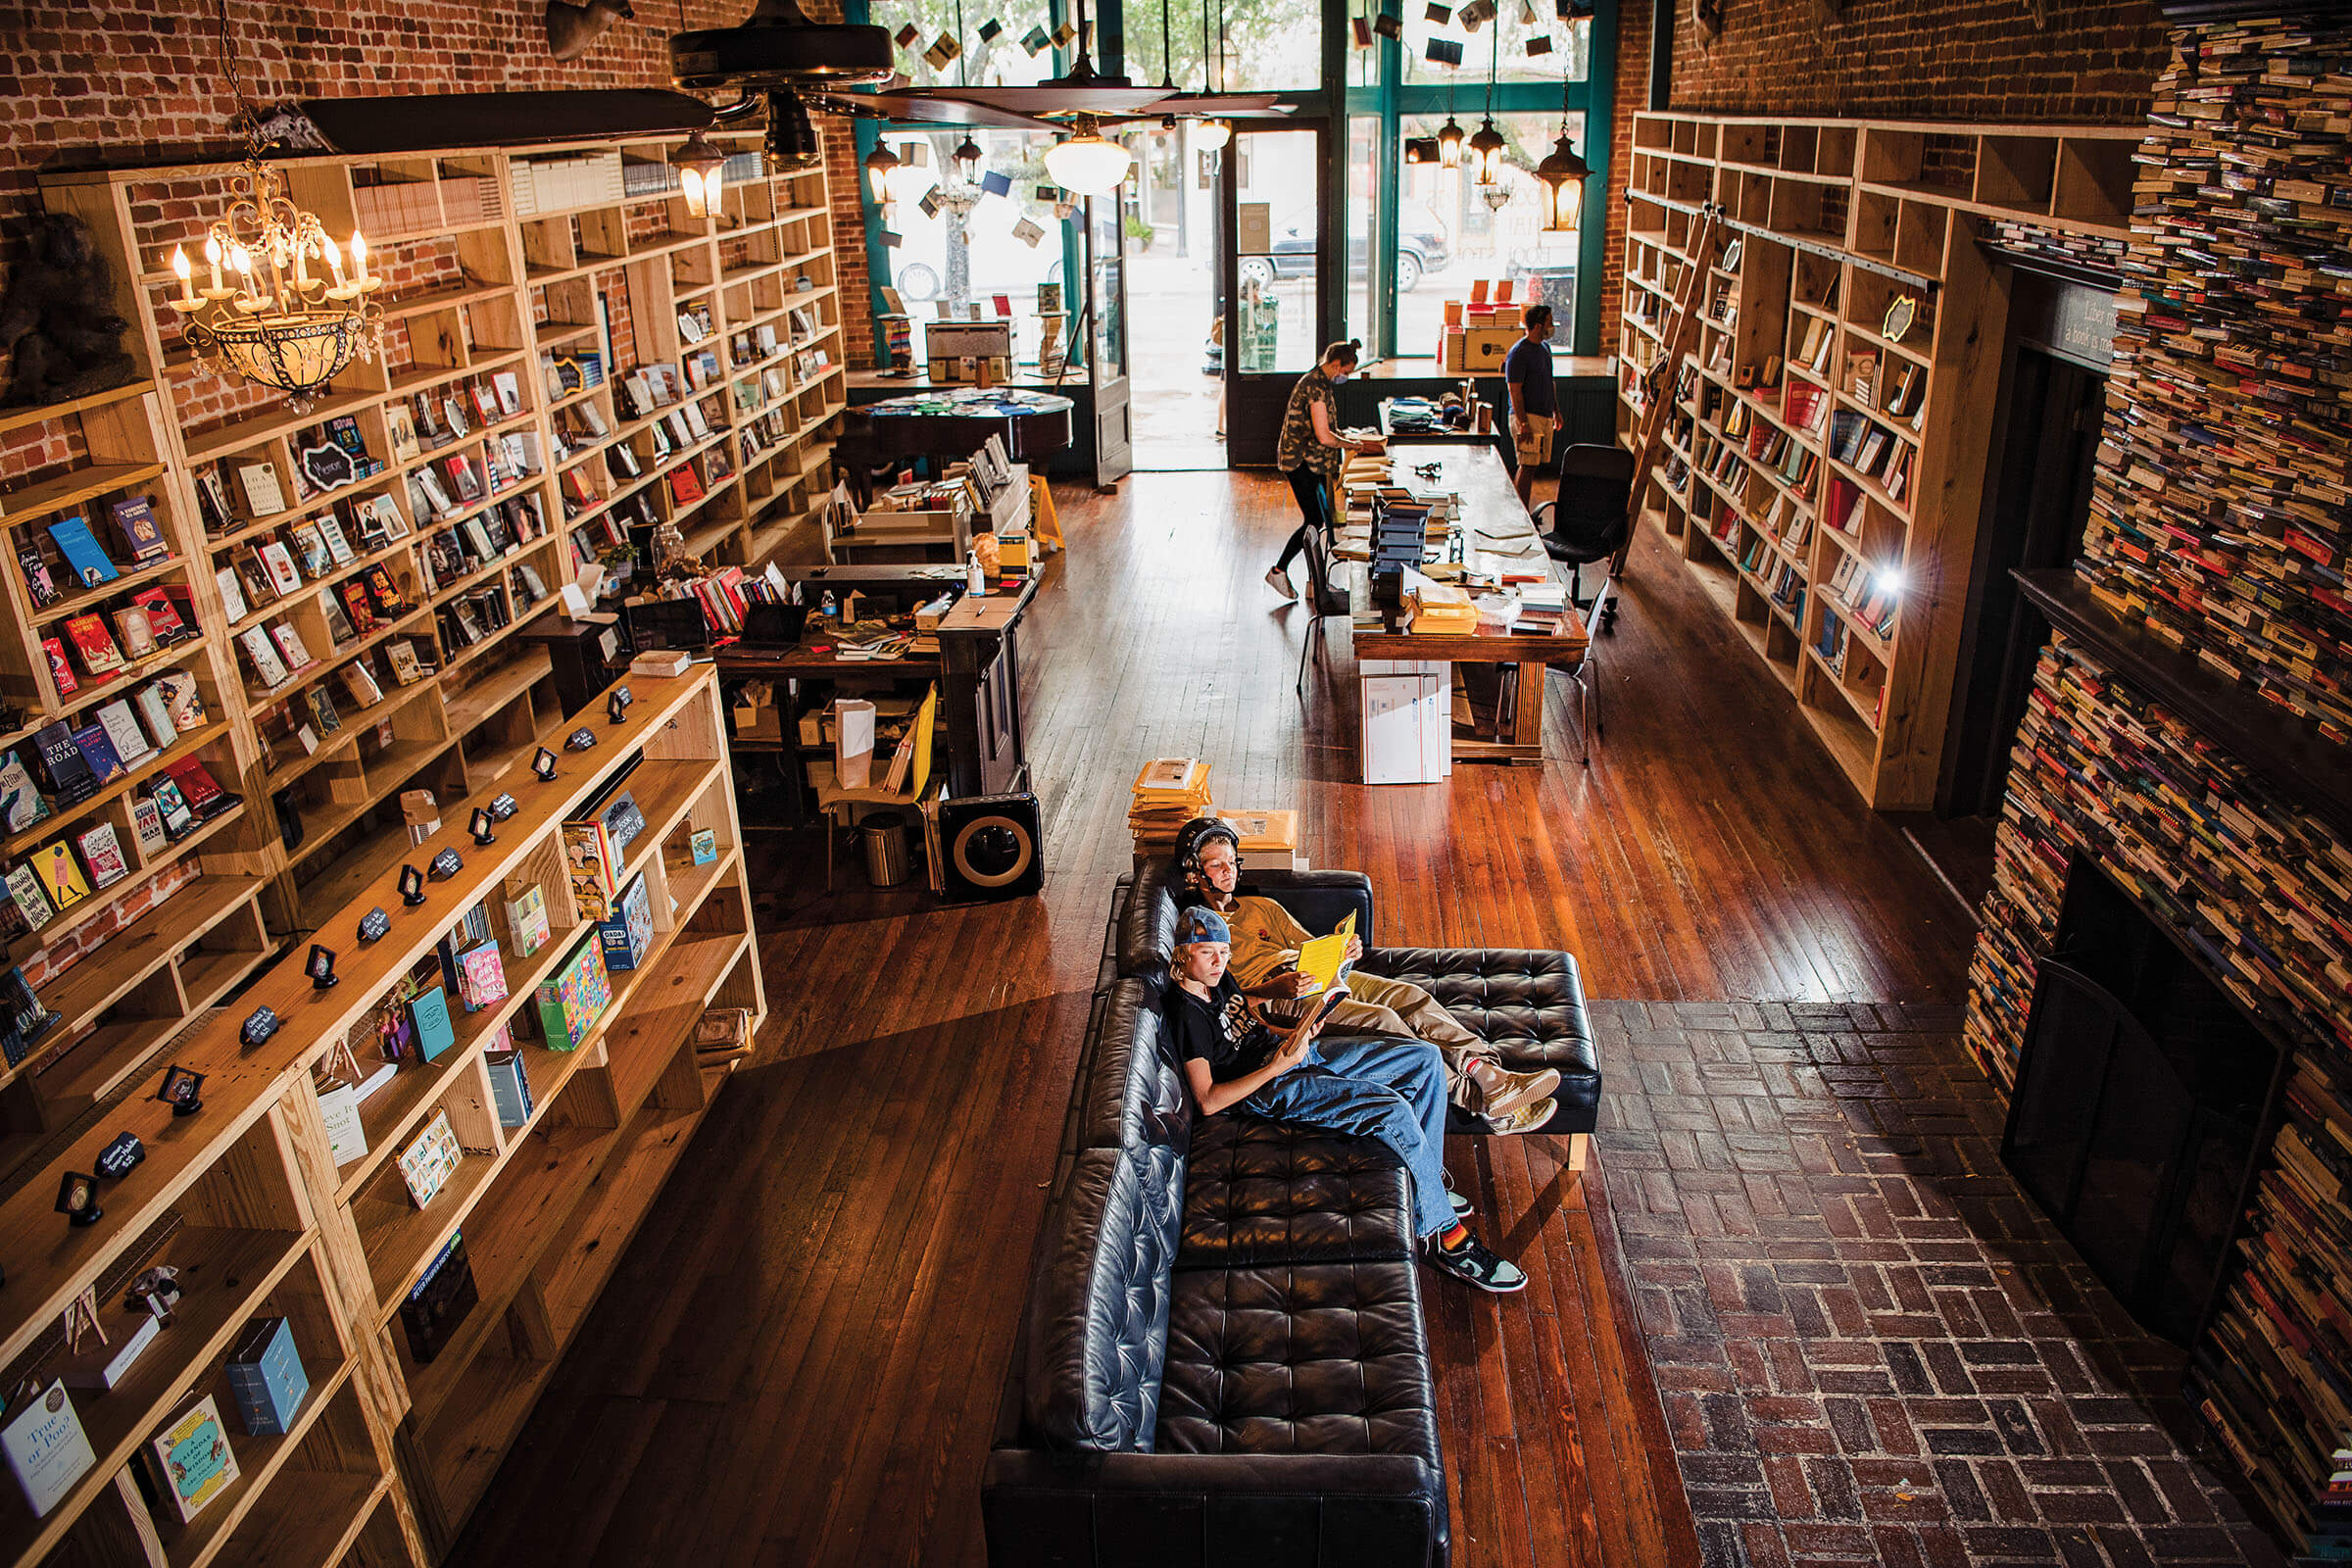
(1277, 580)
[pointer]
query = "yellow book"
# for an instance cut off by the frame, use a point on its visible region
(1324, 960)
(60, 877)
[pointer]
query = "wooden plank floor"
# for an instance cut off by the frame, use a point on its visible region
(799, 1361)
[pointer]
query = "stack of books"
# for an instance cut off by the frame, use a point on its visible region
(1170, 792)
(1442, 610)
(1543, 607)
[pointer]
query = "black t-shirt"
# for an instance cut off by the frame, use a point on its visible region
(1218, 1030)
(1530, 365)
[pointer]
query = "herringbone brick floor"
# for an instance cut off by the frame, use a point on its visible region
(1871, 1347)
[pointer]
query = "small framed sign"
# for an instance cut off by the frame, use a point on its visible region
(502, 807)
(412, 886)
(480, 826)
(183, 1089)
(374, 925)
(446, 864)
(543, 763)
(77, 1199)
(579, 739)
(321, 967)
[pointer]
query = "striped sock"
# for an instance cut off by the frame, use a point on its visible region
(1453, 1236)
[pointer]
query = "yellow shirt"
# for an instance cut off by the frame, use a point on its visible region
(1266, 940)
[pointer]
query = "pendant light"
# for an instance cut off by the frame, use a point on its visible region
(1086, 163)
(967, 159)
(1486, 142)
(702, 174)
(1449, 143)
(881, 163)
(1210, 136)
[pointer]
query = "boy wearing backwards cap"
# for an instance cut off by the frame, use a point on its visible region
(1391, 1090)
(1265, 958)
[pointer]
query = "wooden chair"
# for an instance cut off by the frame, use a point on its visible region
(839, 803)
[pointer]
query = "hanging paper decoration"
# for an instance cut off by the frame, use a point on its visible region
(942, 50)
(1362, 28)
(993, 183)
(1063, 34)
(914, 154)
(930, 203)
(1436, 15)
(1526, 13)
(1063, 210)
(1035, 41)
(1444, 52)
(904, 37)
(1476, 15)
(1388, 26)
(1538, 44)
(892, 238)
(1575, 9)
(1051, 195)
(1028, 233)
(990, 29)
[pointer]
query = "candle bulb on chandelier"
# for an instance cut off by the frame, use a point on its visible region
(211, 254)
(187, 292)
(359, 261)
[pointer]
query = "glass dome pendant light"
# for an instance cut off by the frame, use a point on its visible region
(1086, 163)
(1209, 136)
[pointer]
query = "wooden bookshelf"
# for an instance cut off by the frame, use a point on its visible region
(387, 1455)
(493, 276)
(1849, 581)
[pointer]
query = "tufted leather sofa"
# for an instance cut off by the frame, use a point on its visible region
(1223, 1359)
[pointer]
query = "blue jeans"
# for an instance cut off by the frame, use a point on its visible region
(1391, 1090)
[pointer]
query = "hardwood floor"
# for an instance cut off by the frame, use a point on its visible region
(800, 1359)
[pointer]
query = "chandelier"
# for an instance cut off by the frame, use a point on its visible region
(280, 309)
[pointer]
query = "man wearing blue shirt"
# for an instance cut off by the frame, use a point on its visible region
(1534, 405)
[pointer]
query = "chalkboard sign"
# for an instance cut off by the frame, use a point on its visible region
(261, 1026)
(503, 808)
(373, 924)
(579, 739)
(445, 865)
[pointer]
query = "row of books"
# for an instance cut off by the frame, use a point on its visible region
(277, 564)
(64, 555)
(71, 765)
(94, 647)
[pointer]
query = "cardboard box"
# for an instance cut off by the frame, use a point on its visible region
(1454, 352)
(1485, 347)
(757, 721)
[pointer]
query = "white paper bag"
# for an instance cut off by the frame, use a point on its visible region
(852, 742)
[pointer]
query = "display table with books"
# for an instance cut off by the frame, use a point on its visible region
(1451, 507)
(378, 1195)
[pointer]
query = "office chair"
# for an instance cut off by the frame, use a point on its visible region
(1323, 598)
(1589, 522)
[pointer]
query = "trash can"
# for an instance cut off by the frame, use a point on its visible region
(885, 835)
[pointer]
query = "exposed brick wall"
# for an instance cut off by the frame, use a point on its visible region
(1631, 92)
(60, 955)
(132, 76)
(1980, 60)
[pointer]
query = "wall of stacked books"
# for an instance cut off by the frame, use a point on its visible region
(261, 649)
(292, 1299)
(1824, 458)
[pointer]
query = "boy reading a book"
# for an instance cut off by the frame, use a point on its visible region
(1391, 1090)
(1267, 944)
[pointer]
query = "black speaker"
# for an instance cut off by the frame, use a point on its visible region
(990, 849)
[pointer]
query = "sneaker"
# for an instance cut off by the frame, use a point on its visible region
(1279, 582)
(1461, 1203)
(1473, 1265)
(1525, 1119)
(1502, 1092)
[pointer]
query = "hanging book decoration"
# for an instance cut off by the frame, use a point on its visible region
(1034, 41)
(1538, 44)
(1445, 51)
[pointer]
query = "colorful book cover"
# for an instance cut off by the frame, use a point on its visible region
(434, 1031)
(99, 751)
(121, 727)
(25, 886)
(94, 645)
(102, 855)
(147, 822)
(184, 699)
(172, 806)
(439, 1301)
(527, 921)
(37, 580)
(88, 564)
(482, 976)
(164, 619)
(629, 932)
(266, 1374)
(47, 1449)
(510, 1087)
(571, 1003)
(67, 771)
(141, 535)
(61, 879)
(595, 870)
(426, 1163)
(199, 789)
(193, 1460)
(61, 668)
(156, 713)
(21, 800)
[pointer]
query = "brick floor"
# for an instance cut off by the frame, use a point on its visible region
(1871, 1347)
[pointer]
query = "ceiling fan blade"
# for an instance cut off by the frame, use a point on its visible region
(923, 108)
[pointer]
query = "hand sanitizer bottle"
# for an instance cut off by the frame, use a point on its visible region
(976, 582)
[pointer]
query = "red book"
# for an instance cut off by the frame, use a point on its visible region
(685, 485)
(94, 645)
(60, 671)
(163, 619)
(198, 787)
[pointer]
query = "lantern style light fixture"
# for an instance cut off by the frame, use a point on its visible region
(1486, 153)
(1086, 163)
(280, 310)
(702, 174)
(1450, 144)
(881, 163)
(1563, 175)
(967, 159)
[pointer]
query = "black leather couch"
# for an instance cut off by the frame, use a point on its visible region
(1223, 1361)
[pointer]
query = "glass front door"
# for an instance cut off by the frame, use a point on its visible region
(1279, 319)
(1106, 335)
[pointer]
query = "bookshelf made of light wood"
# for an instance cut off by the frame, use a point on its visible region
(496, 268)
(1837, 220)
(387, 1455)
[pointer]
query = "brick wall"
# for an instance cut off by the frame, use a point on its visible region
(1631, 92)
(1981, 60)
(133, 77)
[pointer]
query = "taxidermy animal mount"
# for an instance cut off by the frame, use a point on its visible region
(1708, 15)
(58, 318)
(571, 28)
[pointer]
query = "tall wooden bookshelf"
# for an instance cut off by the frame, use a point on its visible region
(507, 274)
(1847, 566)
(386, 1456)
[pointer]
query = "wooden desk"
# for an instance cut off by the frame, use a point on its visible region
(1474, 472)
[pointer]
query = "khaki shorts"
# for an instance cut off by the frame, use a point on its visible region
(1534, 448)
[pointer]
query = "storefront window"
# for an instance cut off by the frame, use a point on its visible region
(1449, 236)
(1363, 221)
(972, 248)
(1003, 60)
(1570, 52)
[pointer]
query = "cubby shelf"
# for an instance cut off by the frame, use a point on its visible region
(1836, 220)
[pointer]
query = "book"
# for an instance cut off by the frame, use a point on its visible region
(23, 1020)
(147, 825)
(172, 806)
(197, 787)
(191, 1463)
(38, 583)
(98, 751)
(93, 646)
(338, 545)
(61, 879)
(439, 1301)
(629, 932)
(164, 623)
(121, 726)
(61, 667)
(100, 1364)
(22, 803)
(278, 561)
(510, 1087)
(156, 713)
(85, 563)
(527, 921)
(402, 655)
(25, 887)
(102, 855)
(185, 700)
(267, 668)
(595, 870)
(266, 1376)
(431, 1159)
(263, 496)
(135, 632)
(310, 549)
(572, 1000)
(291, 645)
(482, 976)
(429, 1012)
(359, 684)
(68, 773)
(140, 534)
(47, 1450)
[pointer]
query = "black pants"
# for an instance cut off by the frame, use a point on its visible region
(1314, 510)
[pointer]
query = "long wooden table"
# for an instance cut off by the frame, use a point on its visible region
(1493, 524)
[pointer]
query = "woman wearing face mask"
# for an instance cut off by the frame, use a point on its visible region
(1312, 452)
